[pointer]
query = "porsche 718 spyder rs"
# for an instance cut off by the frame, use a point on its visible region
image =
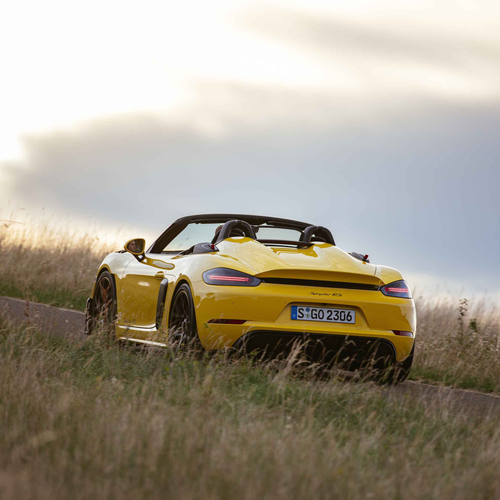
(256, 283)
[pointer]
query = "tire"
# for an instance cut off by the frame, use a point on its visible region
(101, 312)
(182, 331)
(379, 363)
(399, 372)
(402, 370)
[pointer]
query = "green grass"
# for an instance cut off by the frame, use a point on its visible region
(453, 379)
(52, 296)
(80, 420)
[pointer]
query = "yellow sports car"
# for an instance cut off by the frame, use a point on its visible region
(260, 284)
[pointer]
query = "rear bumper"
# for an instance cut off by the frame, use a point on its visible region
(267, 308)
(349, 352)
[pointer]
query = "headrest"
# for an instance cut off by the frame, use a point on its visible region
(232, 225)
(319, 232)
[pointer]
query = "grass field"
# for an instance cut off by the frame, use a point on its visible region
(458, 342)
(80, 420)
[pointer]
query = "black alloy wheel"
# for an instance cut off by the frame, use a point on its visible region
(103, 316)
(183, 332)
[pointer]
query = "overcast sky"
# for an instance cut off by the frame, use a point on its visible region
(378, 119)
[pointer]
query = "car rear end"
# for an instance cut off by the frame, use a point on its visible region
(347, 312)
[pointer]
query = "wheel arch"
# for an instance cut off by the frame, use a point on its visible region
(99, 273)
(181, 281)
(89, 309)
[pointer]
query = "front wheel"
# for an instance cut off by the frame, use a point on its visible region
(183, 332)
(101, 309)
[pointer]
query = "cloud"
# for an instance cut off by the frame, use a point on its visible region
(417, 56)
(415, 189)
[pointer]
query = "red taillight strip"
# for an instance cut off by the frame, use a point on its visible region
(229, 278)
(224, 276)
(398, 289)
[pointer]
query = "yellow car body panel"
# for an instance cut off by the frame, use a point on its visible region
(270, 310)
(266, 307)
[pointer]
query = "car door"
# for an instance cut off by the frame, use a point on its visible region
(138, 296)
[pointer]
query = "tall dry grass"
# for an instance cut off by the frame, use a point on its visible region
(457, 343)
(50, 261)
(82, 421)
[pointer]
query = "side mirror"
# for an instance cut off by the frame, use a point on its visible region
(136, 246)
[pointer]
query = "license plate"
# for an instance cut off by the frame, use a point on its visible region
(326, 314)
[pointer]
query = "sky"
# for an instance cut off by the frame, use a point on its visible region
(379, 120)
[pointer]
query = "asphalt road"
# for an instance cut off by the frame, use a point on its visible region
(70, 323)
(48, 318)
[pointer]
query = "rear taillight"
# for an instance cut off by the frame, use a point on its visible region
(229, 277)
(397, 289)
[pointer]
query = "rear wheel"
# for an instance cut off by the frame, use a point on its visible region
(378, 363)
(386, 371)
(183, 332)
(102, 314)
(402, 370)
